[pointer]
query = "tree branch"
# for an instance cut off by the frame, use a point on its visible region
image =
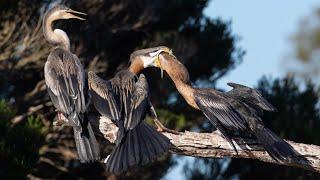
(214, 146)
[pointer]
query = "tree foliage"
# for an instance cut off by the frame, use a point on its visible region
(303, 60)
(19, 144)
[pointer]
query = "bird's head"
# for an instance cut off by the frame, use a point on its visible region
(150, 57)
(63, 12)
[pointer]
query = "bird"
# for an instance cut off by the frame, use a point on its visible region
(125, 99)
(66, 84)
(238, 110)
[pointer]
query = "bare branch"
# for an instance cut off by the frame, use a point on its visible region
(214, 146)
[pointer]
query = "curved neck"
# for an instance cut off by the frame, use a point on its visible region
(136, 66)
(175, 69)
(180, 76)
(181, 85)
(57, 36)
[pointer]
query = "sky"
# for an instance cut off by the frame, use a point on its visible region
(265, 28)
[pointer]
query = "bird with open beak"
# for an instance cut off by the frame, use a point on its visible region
(125, 100)
(66, 84)
(238, 110)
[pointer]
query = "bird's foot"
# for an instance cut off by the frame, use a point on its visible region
(162, 128)
(168, 130)
(61, 121)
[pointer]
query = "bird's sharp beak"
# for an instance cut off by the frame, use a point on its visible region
(158, 64)
(71, 14)
(157, 59)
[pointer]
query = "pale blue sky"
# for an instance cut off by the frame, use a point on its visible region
(264, 28)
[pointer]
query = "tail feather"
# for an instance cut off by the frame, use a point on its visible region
(277, 148)
(87, 145)
(140, 146)
(159, 143)
(144, 153)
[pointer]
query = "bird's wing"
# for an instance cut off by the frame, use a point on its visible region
(104, 97)
(64, 77)
(250, 96)
(139, 103)
(215, 105)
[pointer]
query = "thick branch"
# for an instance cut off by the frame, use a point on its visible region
(213, 145)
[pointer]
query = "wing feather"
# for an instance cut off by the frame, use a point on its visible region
(103, 97)
(139, 103)
(214, 105)
(250, 96)
(64, 77)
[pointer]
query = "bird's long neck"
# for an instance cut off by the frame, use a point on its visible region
(180, 76)
(57, 36)
(177, 72)
(181, 81)
(136, 66)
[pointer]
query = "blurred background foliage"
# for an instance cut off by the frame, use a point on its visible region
(30, 146)
(306, 48)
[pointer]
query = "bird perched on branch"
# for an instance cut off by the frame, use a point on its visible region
(125, 100)
(235, 111)
(66, 83)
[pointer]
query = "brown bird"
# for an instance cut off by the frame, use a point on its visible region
(66, 84)
(125, 100)
(235, 111)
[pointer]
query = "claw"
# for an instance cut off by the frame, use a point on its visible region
(162, 128)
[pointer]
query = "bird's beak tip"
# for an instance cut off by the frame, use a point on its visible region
(76, 12)
(73, 14)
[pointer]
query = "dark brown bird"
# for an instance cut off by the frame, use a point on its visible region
(66, 84)
(235, 111)
(125, 100)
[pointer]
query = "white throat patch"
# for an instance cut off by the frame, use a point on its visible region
(147, 61)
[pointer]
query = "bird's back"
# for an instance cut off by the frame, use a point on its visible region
(65, 80)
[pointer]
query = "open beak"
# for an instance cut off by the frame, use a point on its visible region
(71, 14)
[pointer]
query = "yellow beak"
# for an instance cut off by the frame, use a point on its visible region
(158, 63)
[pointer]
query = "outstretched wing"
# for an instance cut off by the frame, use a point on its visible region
(65, 80)
(214, 105)
(103, 97)
(250, 96)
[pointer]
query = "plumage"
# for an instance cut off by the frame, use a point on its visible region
(218, 105)
(125, 100)
(66, 85)
(250, 96)
(235, 111)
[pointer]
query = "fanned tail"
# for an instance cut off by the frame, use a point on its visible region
(140, 146)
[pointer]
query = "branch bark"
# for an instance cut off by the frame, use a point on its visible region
(212, 145)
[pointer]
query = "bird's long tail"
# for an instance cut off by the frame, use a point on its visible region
(277, 148)
(139, 146)
(87, 145)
